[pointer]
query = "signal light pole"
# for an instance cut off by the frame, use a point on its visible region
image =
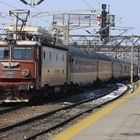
(132, 47)
(104, 24)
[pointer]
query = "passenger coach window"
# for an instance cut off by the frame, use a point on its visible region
(4, 52)
(50, 55)
(22, 53)
(56, 56)
(62, 57)
(44, 54)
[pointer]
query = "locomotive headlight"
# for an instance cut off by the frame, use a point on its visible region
(25, 72)
(31, 86)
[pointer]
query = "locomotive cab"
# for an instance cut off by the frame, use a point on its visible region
(18, 70)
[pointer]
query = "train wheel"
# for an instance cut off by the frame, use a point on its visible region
(62, 91)
(65, 89)
(76, 87)
(51, 92)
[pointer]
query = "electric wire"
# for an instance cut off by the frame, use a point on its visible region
(4, 3)
(88, 4)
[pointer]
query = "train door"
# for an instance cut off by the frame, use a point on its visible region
(40, 62)
(39, 67)
(69, 68)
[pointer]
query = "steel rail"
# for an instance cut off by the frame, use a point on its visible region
(10, 109)
(38, 117)
(72, 118)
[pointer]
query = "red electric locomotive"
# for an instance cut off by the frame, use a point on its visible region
(28, 67)
(17, 70)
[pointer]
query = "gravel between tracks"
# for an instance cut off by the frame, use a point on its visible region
(24, 113)
(31, 111)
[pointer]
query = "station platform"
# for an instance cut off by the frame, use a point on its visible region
(119, 120)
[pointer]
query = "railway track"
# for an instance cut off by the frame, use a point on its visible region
(47, 122)
(31, 110)
(5, 109)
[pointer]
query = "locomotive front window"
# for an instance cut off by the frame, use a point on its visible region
(22, 53)
(4, 52)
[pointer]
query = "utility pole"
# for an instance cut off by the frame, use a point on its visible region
(132, 47)
(138, 61)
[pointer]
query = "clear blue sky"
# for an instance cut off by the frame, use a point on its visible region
(127, 9)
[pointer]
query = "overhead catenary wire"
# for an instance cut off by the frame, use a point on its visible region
(8, 5)
(39, 13)
(6, 14)
(88, 4)
(4, 3)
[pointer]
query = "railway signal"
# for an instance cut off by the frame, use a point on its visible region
(104, 24)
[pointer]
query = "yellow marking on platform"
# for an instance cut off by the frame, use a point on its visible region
(70, 132)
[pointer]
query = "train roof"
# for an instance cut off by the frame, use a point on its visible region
(119, 60)
(75, 51)
(61, 47)
(3, 43)
(103, 56)
(27, 42)
(113, 59)
(86, 53)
